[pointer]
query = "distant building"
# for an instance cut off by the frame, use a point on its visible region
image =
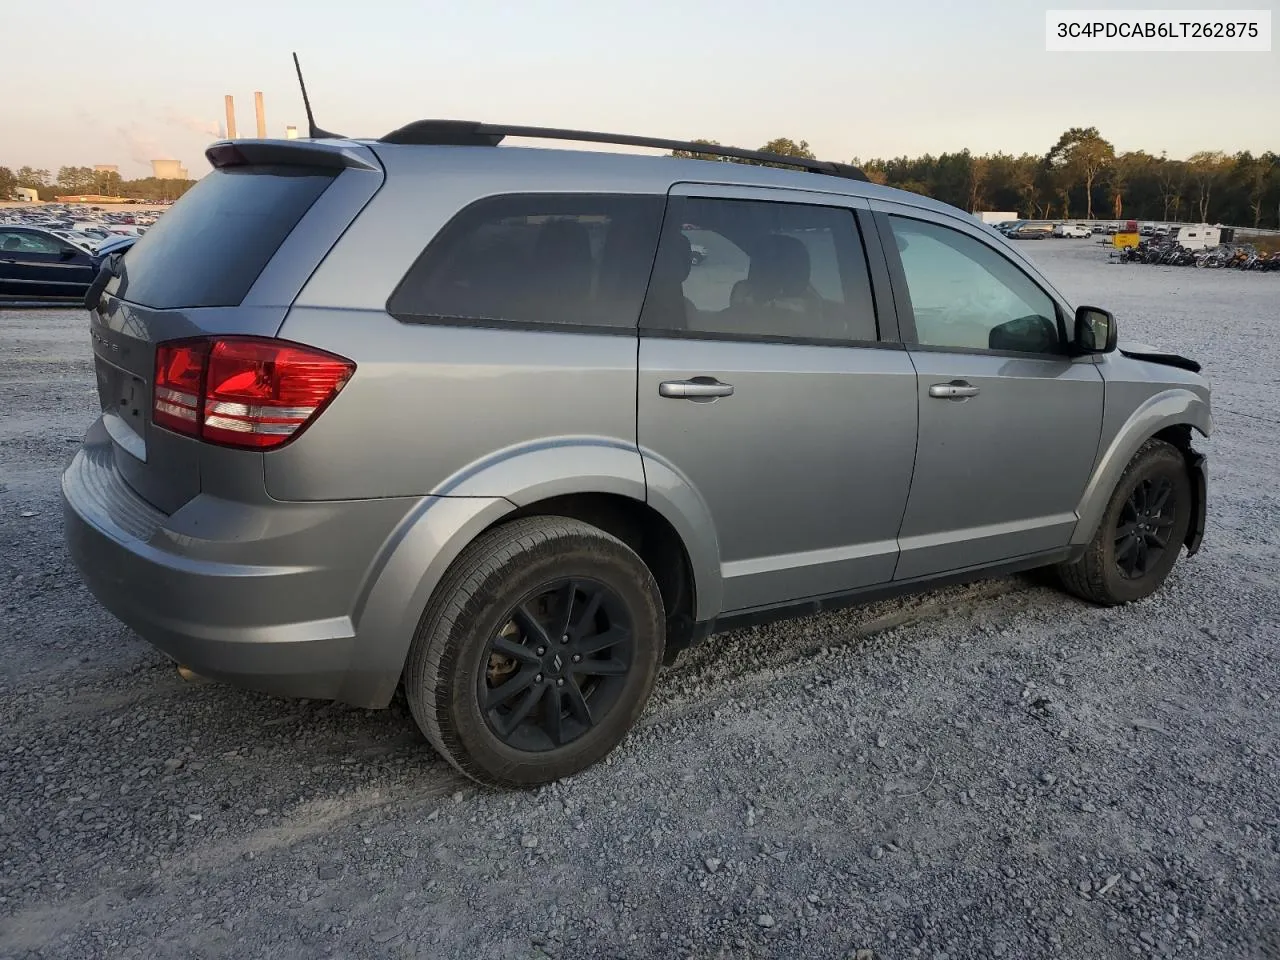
(168, 170)
(291, 132)
(26, 195)
(105, 168)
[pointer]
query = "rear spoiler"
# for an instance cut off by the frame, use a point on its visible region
(335, 155)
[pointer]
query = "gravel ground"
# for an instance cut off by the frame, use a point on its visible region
(986, 771)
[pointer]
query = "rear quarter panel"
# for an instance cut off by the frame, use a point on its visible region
(447, 408)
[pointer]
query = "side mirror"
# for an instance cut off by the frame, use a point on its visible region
(1095, 330)
(67, 254)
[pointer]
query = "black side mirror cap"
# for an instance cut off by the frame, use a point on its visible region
(1095, 331)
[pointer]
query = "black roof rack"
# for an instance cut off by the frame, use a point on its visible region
(470, 133)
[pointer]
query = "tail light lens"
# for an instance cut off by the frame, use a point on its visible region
(243, 391)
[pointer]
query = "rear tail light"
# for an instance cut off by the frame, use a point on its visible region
(243, 391)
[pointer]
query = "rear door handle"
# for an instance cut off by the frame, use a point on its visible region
(955, 390)
(699, 388)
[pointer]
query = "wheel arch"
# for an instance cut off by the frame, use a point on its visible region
(1174, 416)
(602, 483)
(649, 533)
(617, 484)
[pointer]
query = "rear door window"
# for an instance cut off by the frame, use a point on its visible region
(210, 247)
(756, 269)
(576, 260)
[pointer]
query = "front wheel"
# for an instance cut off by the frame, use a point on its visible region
(537, 653)
(1141, 532)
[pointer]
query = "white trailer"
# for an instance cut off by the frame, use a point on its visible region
(992, 217)
(1198, 237)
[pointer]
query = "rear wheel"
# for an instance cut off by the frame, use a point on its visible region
(1141, 532)
(537, 653)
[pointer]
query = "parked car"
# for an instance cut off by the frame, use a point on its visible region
(499, 443)
(77, 239)
(1071, 230)
(37, 264)
(1030, 231)
(115, 244)
(697, 254)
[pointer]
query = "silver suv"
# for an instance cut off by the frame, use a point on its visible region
(510, 426)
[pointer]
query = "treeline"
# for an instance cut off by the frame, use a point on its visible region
(1082, 176)
(73, 181)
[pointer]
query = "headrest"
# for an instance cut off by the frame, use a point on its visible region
(779, 267)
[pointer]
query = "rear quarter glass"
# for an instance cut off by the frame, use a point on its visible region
(208, 250)
(569, 260)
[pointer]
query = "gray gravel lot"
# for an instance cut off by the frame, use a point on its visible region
(986, 771)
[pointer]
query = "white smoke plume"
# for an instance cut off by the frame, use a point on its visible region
(142, 147)
(209, 128)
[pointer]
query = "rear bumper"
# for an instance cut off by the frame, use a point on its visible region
(261, 595)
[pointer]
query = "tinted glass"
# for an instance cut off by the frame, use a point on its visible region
(965, 294)
(580, 259)
(761, 269)
(23, 241)
(210, 247)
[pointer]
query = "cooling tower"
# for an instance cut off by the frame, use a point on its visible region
(168, 170)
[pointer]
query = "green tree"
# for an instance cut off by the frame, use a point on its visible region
(691, 155)
(1205, 169)
(8, 183)
(75, 180)
(1082, 154)
(979, 171)
(786, 148)
(949, 180)
(32, 178)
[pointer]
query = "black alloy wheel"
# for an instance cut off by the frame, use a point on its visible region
(1141, 532)
(1144, 527)
(537, 651)
(558, 665)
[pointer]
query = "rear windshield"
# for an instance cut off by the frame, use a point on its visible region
(210, 247)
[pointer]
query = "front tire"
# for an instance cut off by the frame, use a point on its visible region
(537, 652)
(1141, 532)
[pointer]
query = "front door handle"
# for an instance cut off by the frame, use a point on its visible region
(955, 390)
(699, 388)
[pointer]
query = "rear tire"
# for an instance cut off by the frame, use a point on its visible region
(1141, 532)
(537, 652)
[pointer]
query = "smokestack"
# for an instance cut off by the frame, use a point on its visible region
(262, 115)
(231, 117)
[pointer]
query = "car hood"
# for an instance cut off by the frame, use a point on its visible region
(1141, 351)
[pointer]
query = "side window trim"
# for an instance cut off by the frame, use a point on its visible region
(902, 294)
(858, 208)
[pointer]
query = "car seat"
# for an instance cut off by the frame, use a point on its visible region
(666, 306)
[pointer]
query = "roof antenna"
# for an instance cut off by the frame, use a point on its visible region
(314, 132)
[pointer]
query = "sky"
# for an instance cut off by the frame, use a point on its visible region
(904, 77)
